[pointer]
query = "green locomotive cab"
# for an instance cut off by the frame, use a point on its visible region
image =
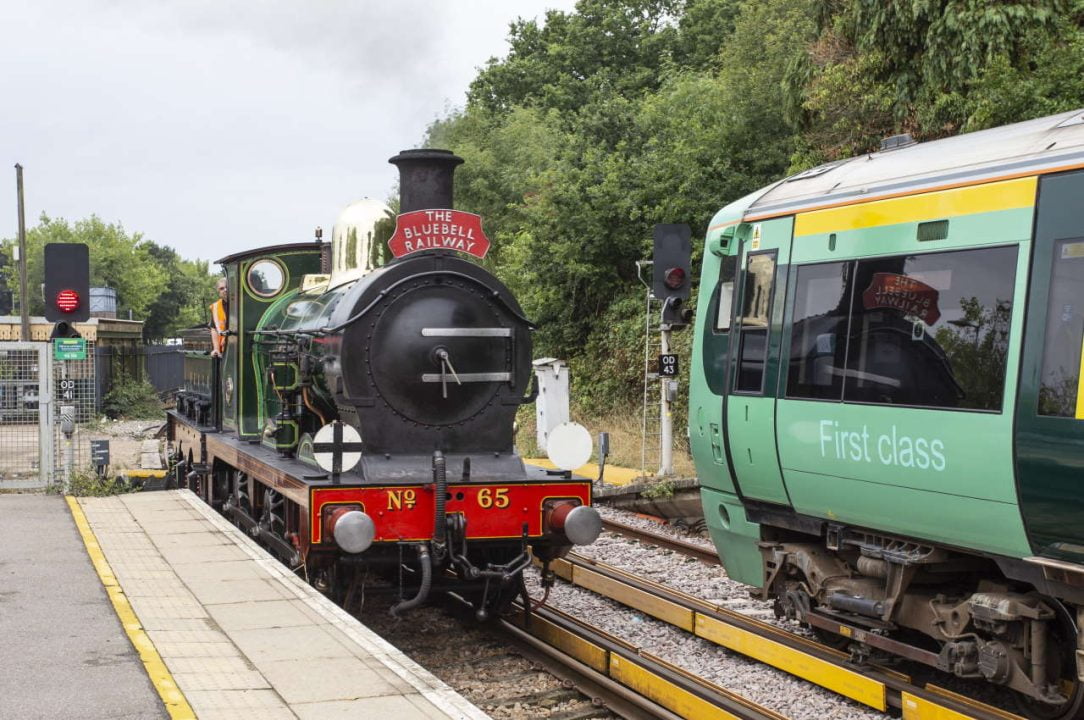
(887, 401)
(257, 280)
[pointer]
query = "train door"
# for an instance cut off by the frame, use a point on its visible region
(750, 408)
(1050, 401)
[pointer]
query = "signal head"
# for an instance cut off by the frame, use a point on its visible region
(671, 262)
(67, 301)
(67, 282)
(674, 278)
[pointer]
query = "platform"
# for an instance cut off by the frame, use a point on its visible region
(612, 475)
(225, 631)
(64, 653)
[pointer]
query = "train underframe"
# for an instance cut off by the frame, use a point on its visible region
(272, 506)
(879, 597)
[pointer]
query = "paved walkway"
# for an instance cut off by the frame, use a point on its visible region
(238, 634)
(63, 653)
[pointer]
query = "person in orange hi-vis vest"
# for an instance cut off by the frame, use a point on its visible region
(220, 312)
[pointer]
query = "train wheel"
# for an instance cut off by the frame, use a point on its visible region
(274, 513)
(831, 639)
(1061, 660)
(241, 499)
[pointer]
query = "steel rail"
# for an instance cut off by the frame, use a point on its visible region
(615, 674)
(703, 554)
(648, 682)
(876, 687)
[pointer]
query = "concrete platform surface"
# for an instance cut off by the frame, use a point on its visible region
(241, 635)
(63, 653)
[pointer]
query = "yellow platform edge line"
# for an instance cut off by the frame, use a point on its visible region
(176, 704)
(613, 475)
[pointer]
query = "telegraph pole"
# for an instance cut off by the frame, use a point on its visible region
(24, 304)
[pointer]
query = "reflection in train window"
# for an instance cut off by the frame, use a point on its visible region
(1064, 340)
(931, 330)
(818, 343)
(266, 277)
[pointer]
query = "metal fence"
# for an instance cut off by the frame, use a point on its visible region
(75, 395)
(35, 392)
(25, 429)
(160, 365)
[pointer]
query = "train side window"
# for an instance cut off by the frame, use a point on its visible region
(754, 321)
(931, 330)
(728, 269)
(818, 344)
(1063, 344)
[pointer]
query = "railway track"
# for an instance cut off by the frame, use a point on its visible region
(875, 687)
(647, 686)
(704, 555)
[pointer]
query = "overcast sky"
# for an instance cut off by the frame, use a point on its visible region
(214, 126)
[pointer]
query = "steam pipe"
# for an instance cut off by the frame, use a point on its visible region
(423, 590)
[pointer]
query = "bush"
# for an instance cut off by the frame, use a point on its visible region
(131, 398)
(87, 483)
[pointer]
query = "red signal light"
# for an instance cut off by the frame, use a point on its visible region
(67, 301)
(674, 278)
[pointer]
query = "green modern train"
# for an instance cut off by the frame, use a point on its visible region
(887, 403)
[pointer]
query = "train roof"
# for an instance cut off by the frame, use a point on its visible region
(268, 250)
(1043, 145)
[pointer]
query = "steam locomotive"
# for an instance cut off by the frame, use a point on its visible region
(361, 417)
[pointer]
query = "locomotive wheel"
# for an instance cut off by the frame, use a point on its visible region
(1061, 659)
(274, 513)
(240, 494)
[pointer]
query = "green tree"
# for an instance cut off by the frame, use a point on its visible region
(601, 122)
(184, 300)
(151, 281)
(931, 68)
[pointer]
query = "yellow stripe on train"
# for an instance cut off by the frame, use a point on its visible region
(1005, 195)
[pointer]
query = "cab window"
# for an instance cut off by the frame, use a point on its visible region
(725, 293)
(757, 289)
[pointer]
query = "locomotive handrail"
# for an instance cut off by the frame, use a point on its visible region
(380, 296)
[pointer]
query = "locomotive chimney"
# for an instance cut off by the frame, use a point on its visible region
(425, 178)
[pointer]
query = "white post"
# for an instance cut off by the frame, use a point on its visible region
(666, 430)
(551, 406)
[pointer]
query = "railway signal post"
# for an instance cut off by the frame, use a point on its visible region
(67, 287)
(671, 261)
